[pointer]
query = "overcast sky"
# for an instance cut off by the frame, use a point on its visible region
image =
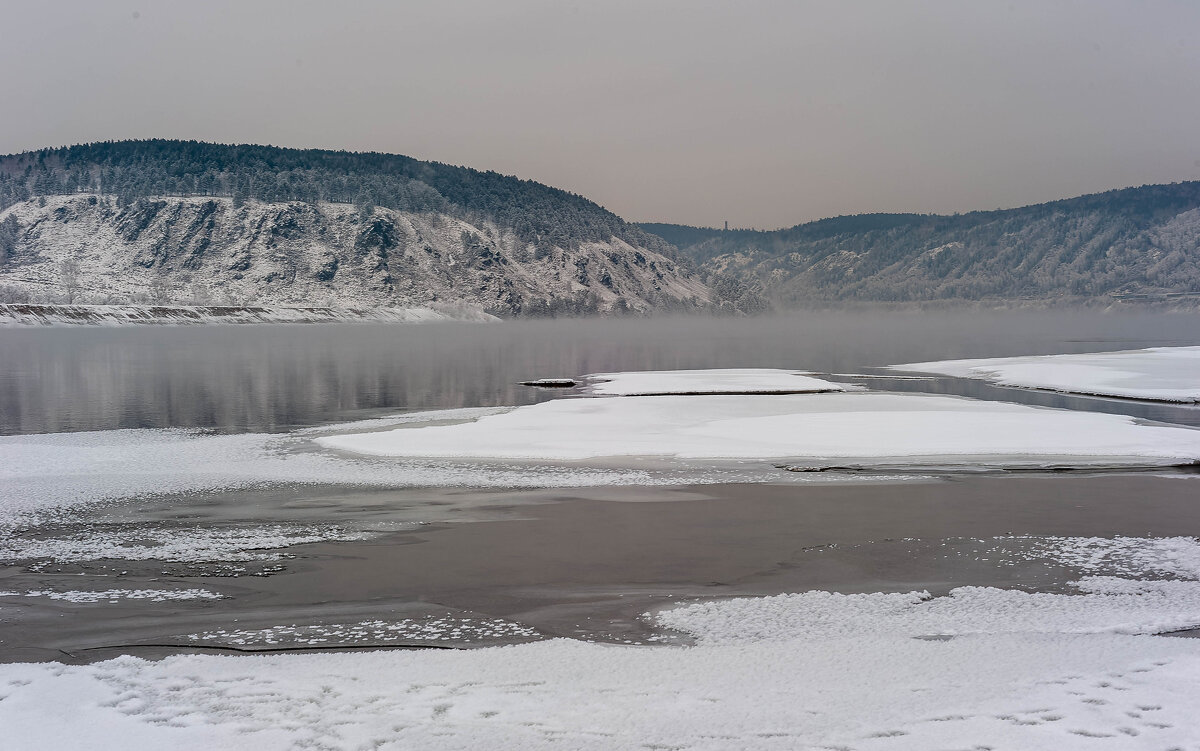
(764, 114)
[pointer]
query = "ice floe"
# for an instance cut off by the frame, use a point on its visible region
(812, 670)
(713, 381)
(874, 428)
(1169, 374)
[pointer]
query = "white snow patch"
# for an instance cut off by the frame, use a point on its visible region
(1108, 556)
(444, 629)
(114, 595)
(190, 544)
(868, 427)
(1106, 606)
(1170, 374)
(714, 381)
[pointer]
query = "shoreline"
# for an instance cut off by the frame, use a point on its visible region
(25, 315)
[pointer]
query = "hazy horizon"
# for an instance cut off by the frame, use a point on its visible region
(763, 114)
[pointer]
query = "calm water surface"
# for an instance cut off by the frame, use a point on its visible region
(277, 377)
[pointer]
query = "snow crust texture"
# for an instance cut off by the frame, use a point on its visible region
(1169, 374)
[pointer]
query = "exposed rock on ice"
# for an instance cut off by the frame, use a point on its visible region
(552, 383)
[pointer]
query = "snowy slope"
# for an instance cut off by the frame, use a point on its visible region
(84, 248)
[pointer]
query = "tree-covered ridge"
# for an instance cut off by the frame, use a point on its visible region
(1134, 241)
(539, 214)
(703, 243)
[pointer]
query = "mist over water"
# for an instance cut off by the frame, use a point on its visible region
(277, 377)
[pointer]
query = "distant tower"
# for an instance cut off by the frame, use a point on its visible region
(727, 225)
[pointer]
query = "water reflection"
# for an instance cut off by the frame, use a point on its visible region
(276, 377)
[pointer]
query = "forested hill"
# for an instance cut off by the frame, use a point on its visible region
(1135, 243)
(188, 222)
(129, 170)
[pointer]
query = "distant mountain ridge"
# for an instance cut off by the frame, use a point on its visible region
(1134, 243)
(190, 222)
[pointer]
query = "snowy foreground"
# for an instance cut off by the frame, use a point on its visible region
(873, 428)
(1169, 374)
(981, 667)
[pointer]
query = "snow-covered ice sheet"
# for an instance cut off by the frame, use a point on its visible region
(44, 474)
(869, 427)
(813, 670)
(713, 381)
(1169, 374)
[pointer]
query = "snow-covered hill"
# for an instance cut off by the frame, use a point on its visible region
(1131, 245)
(85, 248)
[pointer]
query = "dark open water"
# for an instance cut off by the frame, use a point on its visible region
(276, 377)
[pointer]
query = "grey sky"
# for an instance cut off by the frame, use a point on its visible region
(762, 113)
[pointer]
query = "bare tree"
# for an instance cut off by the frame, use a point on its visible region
(160, 291)
(68, 274)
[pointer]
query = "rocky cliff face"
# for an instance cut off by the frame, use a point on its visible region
(88, 248)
